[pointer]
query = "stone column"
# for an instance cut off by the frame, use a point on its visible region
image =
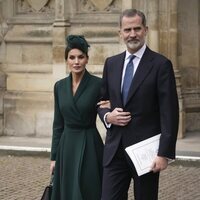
(169, 47)
(3, 29)
(126, 4)
(59, 33)
(174, 57)
(152, 22)
(141, 5)
(2, 90)
(151, 11)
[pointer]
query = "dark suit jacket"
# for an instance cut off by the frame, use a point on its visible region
(152, 101)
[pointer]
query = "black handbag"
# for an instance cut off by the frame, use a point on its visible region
(48, 190)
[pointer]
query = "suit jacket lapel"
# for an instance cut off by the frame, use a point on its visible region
(117, 74)
(143, 69)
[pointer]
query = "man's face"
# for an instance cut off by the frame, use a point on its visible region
(133, 32)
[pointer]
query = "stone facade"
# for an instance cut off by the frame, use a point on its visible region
(2, 89)
(2, 75)
(189, 61)
(32, 41)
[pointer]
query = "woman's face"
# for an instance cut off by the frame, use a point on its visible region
(76, 61)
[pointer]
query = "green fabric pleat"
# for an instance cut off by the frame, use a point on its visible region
(77, 146)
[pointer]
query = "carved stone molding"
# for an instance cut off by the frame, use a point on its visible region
(1, 20)
(37, 4)
(3, 29)
(34, 6)
(99, 5)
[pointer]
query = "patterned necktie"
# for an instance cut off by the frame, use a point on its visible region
(127, 79)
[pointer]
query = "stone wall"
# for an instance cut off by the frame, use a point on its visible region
(189, 60)
(32, 53)
(2, 75)
(2, 90)
(28, 101)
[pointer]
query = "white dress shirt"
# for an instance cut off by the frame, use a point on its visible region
(138, 55)
(136, 61)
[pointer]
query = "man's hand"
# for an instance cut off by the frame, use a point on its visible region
(159, 164)
(118, 117)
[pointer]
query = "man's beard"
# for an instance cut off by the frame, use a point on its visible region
(133, 44)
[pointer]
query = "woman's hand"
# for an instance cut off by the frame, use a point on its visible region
(104, 104)
(52, 166)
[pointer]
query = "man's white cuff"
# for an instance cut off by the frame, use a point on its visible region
(108, 125)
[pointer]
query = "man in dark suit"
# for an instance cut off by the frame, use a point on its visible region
(149, 107)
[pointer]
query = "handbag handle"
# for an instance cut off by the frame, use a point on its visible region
(51, 179)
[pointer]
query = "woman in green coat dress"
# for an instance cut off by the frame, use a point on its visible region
(77, 148)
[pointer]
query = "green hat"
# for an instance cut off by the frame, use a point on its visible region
(77, 42)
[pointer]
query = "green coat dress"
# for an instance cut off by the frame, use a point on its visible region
(76, 144)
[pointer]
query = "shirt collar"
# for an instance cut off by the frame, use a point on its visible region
(138, 54)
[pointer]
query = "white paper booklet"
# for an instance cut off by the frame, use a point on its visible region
(143, 153)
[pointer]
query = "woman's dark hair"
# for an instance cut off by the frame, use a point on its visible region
(76, 42)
